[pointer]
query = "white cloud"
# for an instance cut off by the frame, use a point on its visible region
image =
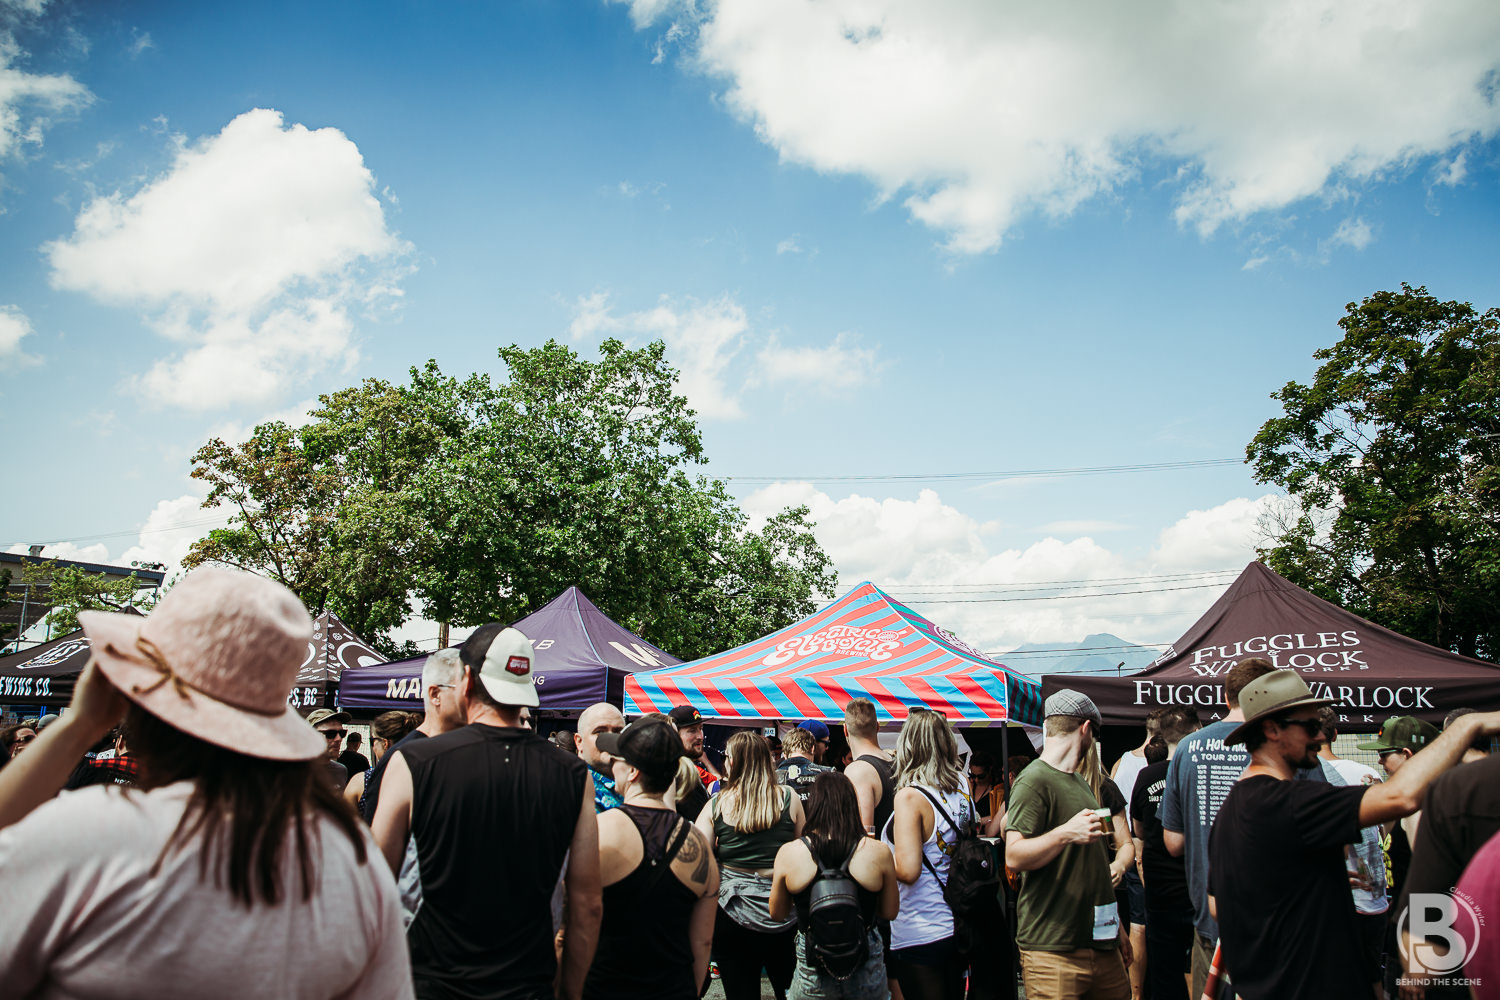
(1354, 233)
(1211, 539)
(932, 555)
(252, 252)
(792, 244)
(140, 41)
(984, 113)
(1451, 173)
(839, 365)
(14, 327)
(165, 537)
(29, 102)
(704, 339)
(701, 338)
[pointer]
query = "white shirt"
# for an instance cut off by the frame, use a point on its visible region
(1131, 765)
(924, 916)
(84, 917)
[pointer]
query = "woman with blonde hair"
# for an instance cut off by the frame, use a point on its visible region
(932, 808)
(747, 822)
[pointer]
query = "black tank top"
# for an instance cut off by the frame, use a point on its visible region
(887, 803)
(645, 950)
(493, 813)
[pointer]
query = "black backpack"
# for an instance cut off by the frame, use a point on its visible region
(973, 886)
(835, 932)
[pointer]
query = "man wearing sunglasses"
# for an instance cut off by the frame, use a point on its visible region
(331, 725)
(1278, 881)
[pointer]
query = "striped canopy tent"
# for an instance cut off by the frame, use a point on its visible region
(866, 644)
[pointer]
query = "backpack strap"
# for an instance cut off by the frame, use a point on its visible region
(682, 830)
(952, 825)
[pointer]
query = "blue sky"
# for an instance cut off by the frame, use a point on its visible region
(880, 238)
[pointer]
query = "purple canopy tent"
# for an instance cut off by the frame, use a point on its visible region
(582, 657)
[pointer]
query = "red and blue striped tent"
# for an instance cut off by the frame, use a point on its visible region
(866, 644)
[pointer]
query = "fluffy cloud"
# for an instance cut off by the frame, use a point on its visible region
(29, 102)
(701, 338)
(839, 365)
(165, 537)
(14, 327)
(253, 251)
(704, 339)
(983, 113)
(934, 556)
(1354, 233)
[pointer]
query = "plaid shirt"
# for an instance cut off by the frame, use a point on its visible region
(113, 771)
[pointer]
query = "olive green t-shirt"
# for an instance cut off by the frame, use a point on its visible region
(1055, 910)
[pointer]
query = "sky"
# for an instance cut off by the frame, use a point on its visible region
(900, 251)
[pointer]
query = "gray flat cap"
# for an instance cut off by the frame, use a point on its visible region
(1074, 703)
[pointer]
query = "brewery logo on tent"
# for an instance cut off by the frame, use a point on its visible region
(56, 654)
(873, 643)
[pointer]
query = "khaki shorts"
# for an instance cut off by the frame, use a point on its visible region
(1085, 974)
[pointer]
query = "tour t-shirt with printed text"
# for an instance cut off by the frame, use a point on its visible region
(1061, 901)
(1199, 777)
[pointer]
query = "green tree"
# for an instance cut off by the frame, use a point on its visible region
(68, 590)
(478, 502)
(1389, 457)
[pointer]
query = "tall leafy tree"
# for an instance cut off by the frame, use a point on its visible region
(1390, 457)
(477, 502)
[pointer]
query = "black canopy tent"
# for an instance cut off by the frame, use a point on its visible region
(1369, 671)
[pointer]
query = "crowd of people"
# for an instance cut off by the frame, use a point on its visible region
(211, 841)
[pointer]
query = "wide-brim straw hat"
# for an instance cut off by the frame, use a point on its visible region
(1271, 694)
(215, 659)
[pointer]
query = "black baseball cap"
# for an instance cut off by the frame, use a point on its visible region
(685, 715)
(648, 744)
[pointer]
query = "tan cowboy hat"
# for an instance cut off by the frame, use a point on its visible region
(215, 659)
(1271, 694)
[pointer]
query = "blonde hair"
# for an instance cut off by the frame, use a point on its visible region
(798, 741)
(687, 779)
(1092, 770)
(751, 800)
(927, 752)
(860, 719)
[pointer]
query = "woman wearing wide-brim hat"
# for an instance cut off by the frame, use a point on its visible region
(234, 870)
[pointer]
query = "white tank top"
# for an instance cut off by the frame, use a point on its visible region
(924, 915)
(1131, 767)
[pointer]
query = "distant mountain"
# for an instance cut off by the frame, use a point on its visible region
(1095, 654)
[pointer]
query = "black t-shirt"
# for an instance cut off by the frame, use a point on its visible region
(354, 762)
(1165, 876)
(493, 814)
(371, 797)
(1276, 869)
(887, 804)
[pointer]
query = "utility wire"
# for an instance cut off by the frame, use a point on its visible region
(1097, 470)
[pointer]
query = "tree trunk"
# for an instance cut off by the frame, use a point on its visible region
(442, 635)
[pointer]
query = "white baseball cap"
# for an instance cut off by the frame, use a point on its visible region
(502, 659)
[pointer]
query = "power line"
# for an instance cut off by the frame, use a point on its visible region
(933, 589)
(925, 477)
(1064, 597)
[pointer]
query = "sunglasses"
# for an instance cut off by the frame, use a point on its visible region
(1313, 727)
(334, 734)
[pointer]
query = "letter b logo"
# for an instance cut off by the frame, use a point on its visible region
(1436, 947)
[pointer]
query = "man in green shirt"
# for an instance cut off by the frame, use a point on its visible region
(1070, 937)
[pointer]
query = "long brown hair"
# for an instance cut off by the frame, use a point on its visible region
(833, 822)
(244, 808)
